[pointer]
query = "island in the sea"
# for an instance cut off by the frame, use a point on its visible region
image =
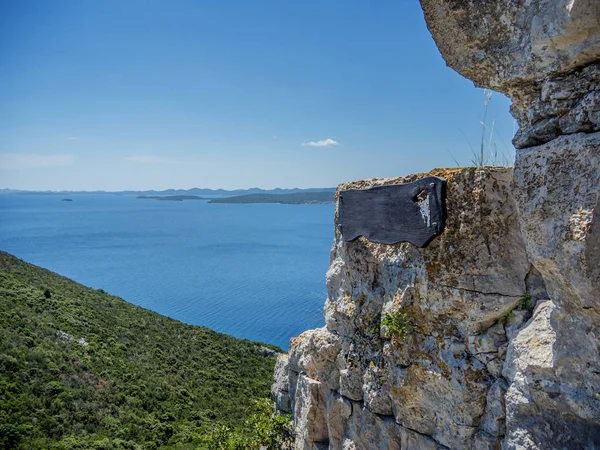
(299, 198)
(67, 200)
(173, 198)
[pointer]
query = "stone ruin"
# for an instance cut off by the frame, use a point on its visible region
(497, 337)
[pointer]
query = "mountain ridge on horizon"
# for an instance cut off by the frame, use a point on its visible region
(192, 191)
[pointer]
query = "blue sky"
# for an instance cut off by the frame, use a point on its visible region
(231, 94)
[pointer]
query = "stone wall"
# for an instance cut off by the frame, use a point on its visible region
(496, 342)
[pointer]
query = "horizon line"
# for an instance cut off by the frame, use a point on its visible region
(50, 191)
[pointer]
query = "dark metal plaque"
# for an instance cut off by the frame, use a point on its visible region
(411, 212)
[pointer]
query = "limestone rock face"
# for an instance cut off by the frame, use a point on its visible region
(279, 390)
(554, 390)
(558, 191)
(557, 105)
(438, 383)
(497, 336)
(505, 42)
(543, 54)
(435, 379)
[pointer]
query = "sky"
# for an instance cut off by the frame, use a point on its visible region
(143, 94)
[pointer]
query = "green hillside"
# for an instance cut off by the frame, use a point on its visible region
(82, 369)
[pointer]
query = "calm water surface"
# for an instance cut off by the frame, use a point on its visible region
(252, 271)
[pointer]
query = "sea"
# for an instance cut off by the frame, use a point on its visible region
(254, 271)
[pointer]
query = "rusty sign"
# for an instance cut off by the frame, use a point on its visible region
(411, 212)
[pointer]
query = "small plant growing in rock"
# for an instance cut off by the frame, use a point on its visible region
(398, 324)
(525, 302)
(487, 154)
(508, 315)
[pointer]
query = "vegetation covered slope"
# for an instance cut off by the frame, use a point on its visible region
(80, 368)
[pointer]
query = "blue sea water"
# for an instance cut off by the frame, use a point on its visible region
(254, 271)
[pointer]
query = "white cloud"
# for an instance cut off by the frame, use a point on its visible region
(69, 137)
(150, 159)
(321, 143)
(19, 161)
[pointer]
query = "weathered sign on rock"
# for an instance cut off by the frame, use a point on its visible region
(409, 212)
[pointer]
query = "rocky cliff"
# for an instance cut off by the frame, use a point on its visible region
(489, 337)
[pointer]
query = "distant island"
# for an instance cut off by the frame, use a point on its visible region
(299, 198)
(67, 200)
(173, 198)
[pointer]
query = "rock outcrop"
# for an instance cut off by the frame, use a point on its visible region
(489, 337)
(434, 379)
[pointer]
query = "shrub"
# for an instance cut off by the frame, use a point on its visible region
(506, 317)
(398, 324)
(10, 436)
(525, 302)
(264, 430)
